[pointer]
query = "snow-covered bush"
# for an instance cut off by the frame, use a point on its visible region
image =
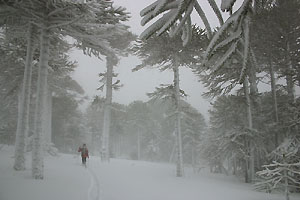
(284, 171)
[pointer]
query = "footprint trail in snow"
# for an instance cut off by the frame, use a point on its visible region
(94, 189)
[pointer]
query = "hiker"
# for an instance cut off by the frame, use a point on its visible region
(84, 153)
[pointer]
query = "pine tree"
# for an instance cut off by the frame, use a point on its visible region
(138, 118)
(284, 169)
(193, 128)
(116, 43)
(110, 62)
(275, 53)
(13, 51)
(60, 85)
(64, 18)
(168, 53)
(13, 23)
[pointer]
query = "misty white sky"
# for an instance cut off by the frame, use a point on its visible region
(137, 84)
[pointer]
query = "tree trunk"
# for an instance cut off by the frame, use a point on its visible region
(49, 128)
(179, 165)
(37, 153)
(253, 81)
(246, 165)
(173, 151)
(234, 165)
(250, 126)
(286, 180)
(24, 105)
(47, 123)
(291, 89)
(120, 145)
(107, 109)
(48, 118)
(274, 97)
(138, 145)
(289, 77)
(193, 152)
(247, 171)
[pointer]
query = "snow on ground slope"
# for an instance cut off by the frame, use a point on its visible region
(66, 179)
(137, 180)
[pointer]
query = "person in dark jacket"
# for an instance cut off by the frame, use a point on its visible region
(84, 153)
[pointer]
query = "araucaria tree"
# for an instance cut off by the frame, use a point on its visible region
(24, 103)
(229, 58)
(282, 173)
(116, 43)
(120, 42)
(62, 18)
(169, 53)
(13, 23)
(177, 20)
(13, 50)
(108, 78)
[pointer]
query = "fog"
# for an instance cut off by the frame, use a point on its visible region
(200, 103)
(137, 84)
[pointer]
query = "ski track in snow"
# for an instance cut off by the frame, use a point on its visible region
(94, 189)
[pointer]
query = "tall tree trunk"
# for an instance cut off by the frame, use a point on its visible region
(48, 118)
(250, 126)
(107, 109)
(179, 164)
(120, 144)
(274, 97)
(49, 128)
(253, 81)
(256, 104)
(286, 179)
(47, 123)
(289, 76)
(24, 104)
(246, 144)
(194, 156)
(290, 87)
(234, 165)
(37, 153)
(291, 90)
(138, 145)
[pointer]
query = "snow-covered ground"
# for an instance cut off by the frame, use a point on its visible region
(66, 179)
